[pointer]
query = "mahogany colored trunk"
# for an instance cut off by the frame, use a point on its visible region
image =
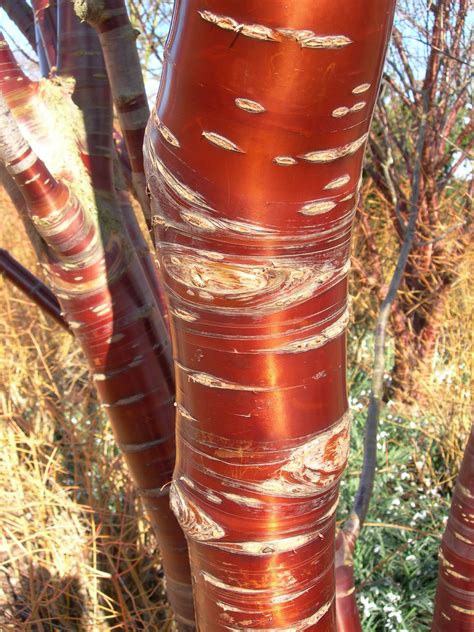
(347, 613)
(254, 154)
(104, 280)
(454, 602)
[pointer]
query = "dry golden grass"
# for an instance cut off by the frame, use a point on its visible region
(445, 388)
(443, 397)
(76, 550)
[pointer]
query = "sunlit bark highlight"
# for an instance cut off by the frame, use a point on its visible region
(254, 154)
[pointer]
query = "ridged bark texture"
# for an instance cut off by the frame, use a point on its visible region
(454, 601)
(253, 157)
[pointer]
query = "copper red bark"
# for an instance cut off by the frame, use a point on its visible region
(254, 154)
(454, 601)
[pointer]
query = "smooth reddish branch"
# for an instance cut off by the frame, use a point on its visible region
(105, 289)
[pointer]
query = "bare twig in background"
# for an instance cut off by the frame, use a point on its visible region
(364, 492)
(347, 612)
(441, 241)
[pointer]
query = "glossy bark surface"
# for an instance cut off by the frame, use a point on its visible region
(454, 602)
(254, 155)
(101, 272)
(117, 38)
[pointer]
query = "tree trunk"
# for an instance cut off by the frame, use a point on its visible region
(103, 283)
(253, 155)
(454, 602)
(347, 613)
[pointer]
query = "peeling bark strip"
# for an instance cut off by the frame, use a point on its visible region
(336, 153)
(344, 111)
(305, 38)
(454, 601)
(166, 133)
(337, 183)
(253, 221)
(317, 207)
(249, 106)
(362, 88)
(285, 161)
(326, 155)
(221, 141)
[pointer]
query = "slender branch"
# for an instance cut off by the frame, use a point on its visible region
(47, 35)
(117, 38)
(392, 138)
(445, 53)
(400, 93)
(402, 53)
(386, 184)
(348, 619)
(31, 286)
(362, 500)
(391, 186)
(148, 26)
(21, 14)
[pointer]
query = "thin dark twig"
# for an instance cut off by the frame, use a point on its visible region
(32, 287)
(434, 240)
(366, 484)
